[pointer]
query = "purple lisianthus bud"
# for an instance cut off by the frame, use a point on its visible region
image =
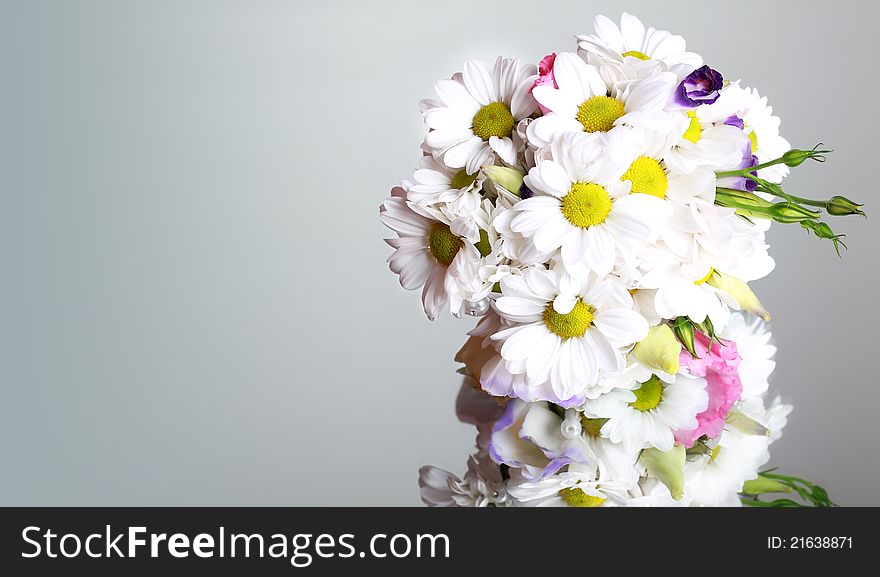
(702, 86)
(748, 161)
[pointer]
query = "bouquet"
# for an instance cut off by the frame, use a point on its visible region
(603, 213)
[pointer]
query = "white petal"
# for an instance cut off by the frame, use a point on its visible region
(455, 95)
(620, 326)
(478, 82)
(504, 148)
(519, 344)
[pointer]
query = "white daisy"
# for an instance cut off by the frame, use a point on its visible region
(704, 144)
(712, 478)
(484, 363)
(582, 206)
(578, 486)
(431, 251)
(435, 183)
(482, 486)
(567, 329)
(586, 101)
(753, 343)
(633, 41)
(773, 418)
(477, 113)
(746, 109)
(648, 415)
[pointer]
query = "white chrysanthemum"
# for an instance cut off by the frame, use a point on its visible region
(586, 101)
(633, 41)
(649, 415)
(435, 183)
(712, 478)
(773, 418)
(703, 144)
(482, 486)
(431, 251)
(745, 107)
(578, 486)
(753, 343)
(582, 207)
(567, 329)
(477, 113)
(484, 362)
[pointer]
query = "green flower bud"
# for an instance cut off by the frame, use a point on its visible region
(795, 157)
(762, 485)
(741, 199)
(788, 212)
(510, 179)
(822, 230)
(842, 206)
(684, 332)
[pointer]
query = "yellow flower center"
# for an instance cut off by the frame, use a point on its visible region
(647, 177)
(586, 204)
(576, 497)
(572, 324)
(648, 395)
(637, 54)
(494, 119)
(599, 113)
(753, 137)
(694, 130)
(443, 244)
(592, 427)
(705, 278)
(462, 179)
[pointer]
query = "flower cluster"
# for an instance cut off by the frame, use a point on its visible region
(603, 212)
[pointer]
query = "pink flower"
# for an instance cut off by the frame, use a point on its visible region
(546, 78)
(718, 366)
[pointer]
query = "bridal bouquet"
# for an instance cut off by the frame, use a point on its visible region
(603, 213)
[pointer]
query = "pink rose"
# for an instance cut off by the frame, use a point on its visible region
(718, 365)
(546, 78)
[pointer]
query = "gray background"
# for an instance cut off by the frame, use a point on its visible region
(194, 306)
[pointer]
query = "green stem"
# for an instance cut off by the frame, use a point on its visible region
(747, 171)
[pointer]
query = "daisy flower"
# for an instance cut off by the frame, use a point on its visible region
(477, 113)
(582, 206)
(701, 143)
(430, 251)
(586, 101)
(484, 363)
(577, 486)
(631, 40)
(736, 457)
(566, 329)
(435, 183)
(482, 486)
(754, 344)
(745, 109)
(650, 413)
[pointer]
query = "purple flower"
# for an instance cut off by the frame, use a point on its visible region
(748, 161)
(702, 86)
(735, 121)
